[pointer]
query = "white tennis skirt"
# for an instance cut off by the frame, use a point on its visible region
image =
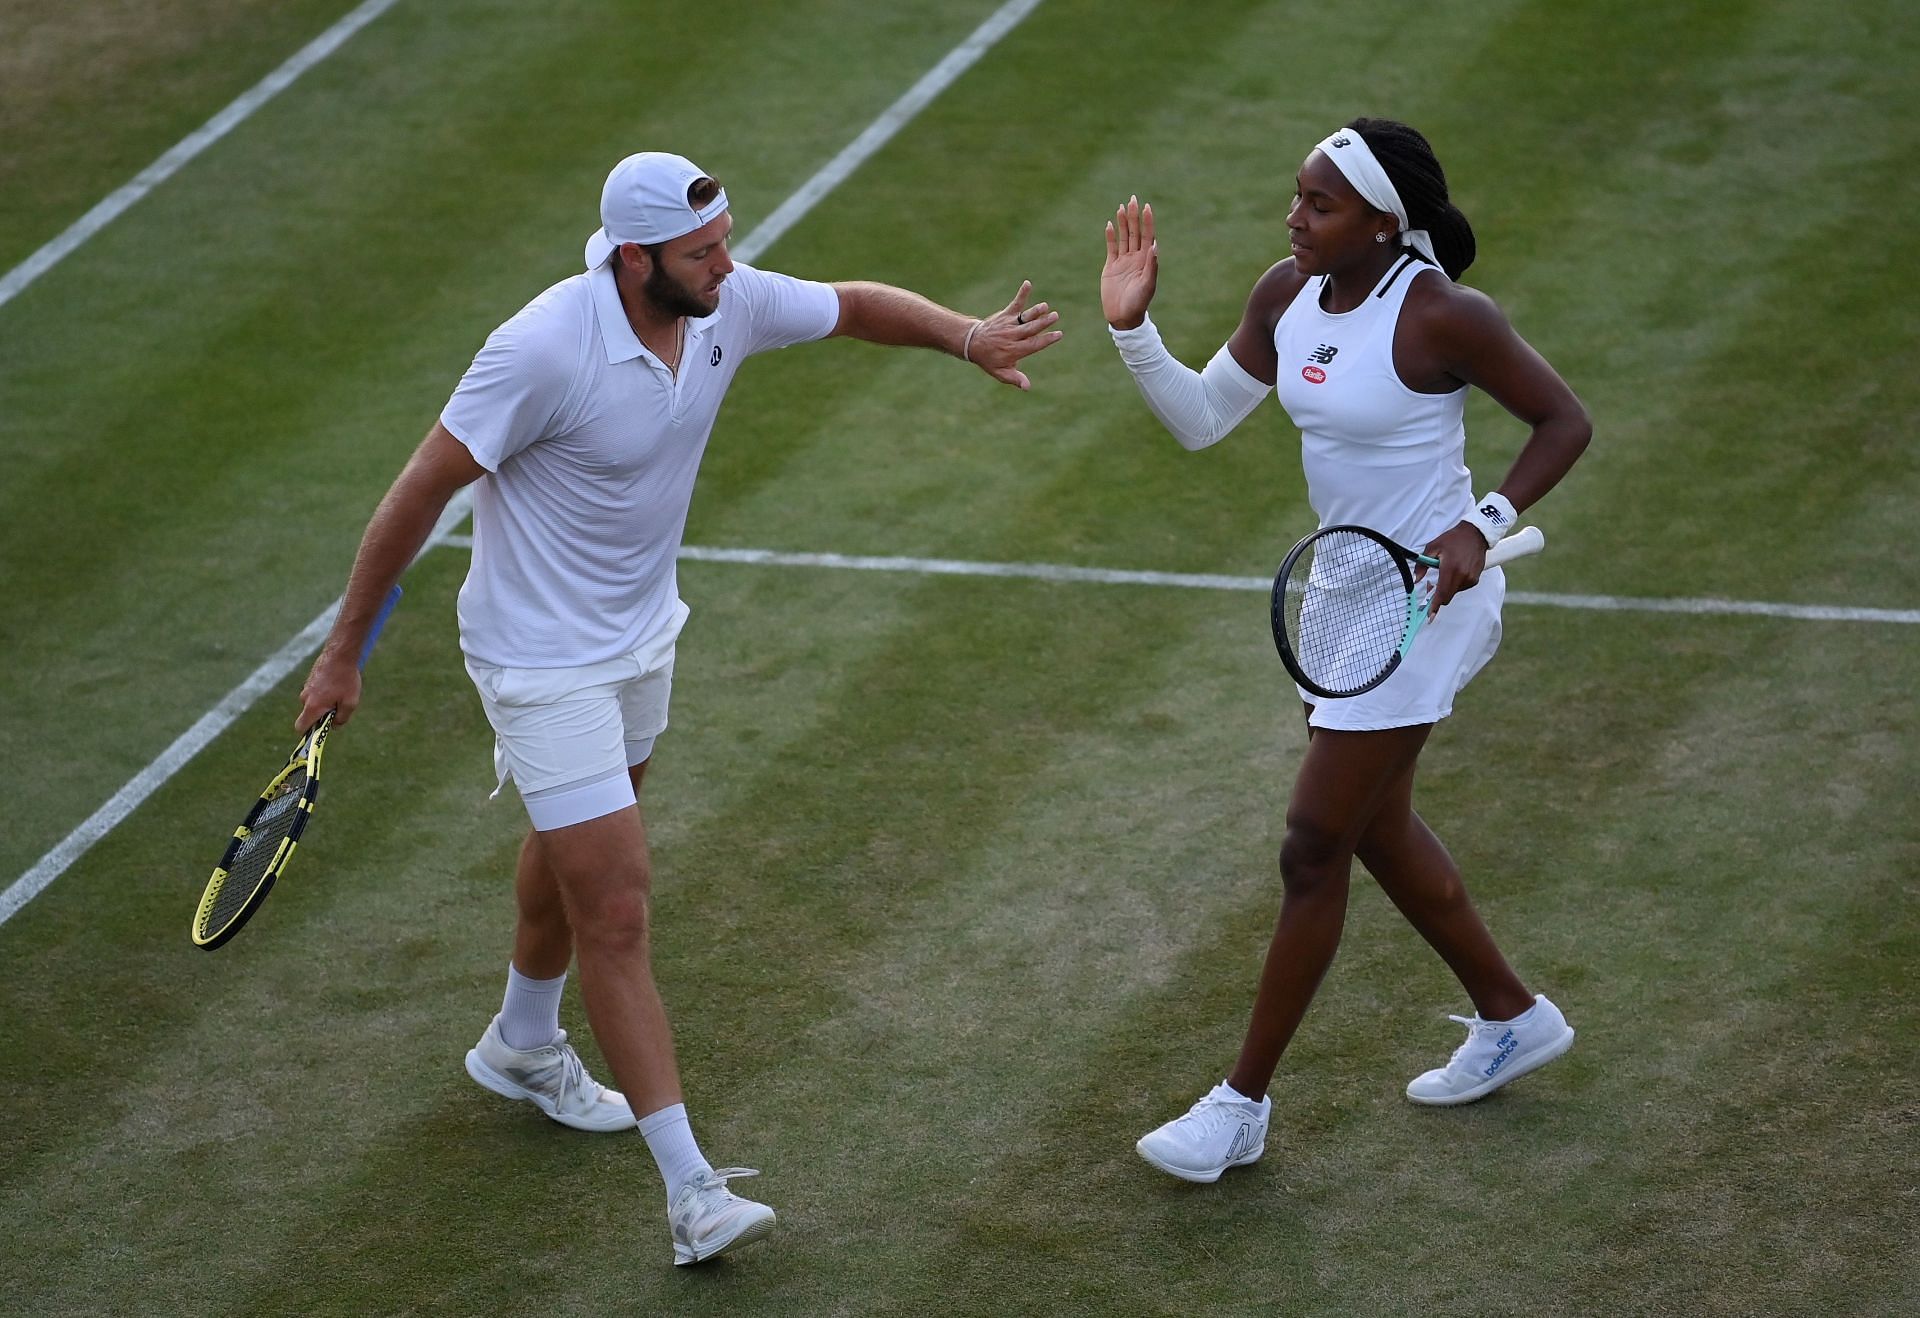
(1446, 654)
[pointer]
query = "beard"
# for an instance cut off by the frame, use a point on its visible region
(670, 297)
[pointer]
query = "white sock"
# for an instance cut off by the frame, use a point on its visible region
(671, 1140)
(1236, 1095)
(530, 1014)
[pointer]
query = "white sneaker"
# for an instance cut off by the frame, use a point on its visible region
(1494, 1053)
(707, 1218)
(552, 1078)
(1222, 1130)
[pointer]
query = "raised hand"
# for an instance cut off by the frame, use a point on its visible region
(1133, 266)
(1016, 331)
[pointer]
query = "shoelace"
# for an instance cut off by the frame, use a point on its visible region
(575, 1077)
(573, 1073)
(1475, 1028)
(1213, 1111)
(712, 1190)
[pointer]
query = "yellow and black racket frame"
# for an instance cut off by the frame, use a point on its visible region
(306, 754)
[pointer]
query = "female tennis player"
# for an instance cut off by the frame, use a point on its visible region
(1371, 346)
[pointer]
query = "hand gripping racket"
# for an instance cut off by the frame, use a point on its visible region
(264, 843)
(1346, 607)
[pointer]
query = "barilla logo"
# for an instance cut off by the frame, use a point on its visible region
(1313, 375)
(1505, 1050)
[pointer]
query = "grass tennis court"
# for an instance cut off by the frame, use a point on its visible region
(961, 882)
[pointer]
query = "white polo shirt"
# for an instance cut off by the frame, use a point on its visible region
(591, 445)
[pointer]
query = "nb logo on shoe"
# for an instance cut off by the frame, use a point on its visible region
(1323, 354)
(1242, 1142)
(1505, 1048)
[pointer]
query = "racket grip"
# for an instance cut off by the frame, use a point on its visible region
(1527, 540)
(380, 622)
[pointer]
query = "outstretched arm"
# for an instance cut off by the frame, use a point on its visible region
(1197, 407)
(882, 313)
(400, 525)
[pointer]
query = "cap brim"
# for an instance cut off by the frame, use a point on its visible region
(599, 248)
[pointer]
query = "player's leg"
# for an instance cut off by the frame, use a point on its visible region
(706, 1217)
(1338, 788)
(558, 739)
(542, 951)
(1418, 874)
(1511, 1032)
(1342, 780)
(542, 946)
(600, 867)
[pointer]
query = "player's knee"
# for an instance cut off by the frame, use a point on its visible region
(615, 922)
(1312, 858)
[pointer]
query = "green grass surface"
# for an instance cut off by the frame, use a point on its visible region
(963, 884)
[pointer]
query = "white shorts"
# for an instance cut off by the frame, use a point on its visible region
(566, 736)
(1446, 654)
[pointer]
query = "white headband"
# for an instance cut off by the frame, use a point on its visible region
(1352, 157)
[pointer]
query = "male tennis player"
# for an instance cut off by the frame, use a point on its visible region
(583, 420)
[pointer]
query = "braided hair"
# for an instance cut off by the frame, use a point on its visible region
(1416, 175)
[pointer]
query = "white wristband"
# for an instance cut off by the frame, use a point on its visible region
(1494, 516)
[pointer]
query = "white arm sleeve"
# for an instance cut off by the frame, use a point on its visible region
(1198, 407)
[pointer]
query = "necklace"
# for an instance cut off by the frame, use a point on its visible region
(672, 363)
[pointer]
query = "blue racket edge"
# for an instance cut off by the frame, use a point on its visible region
(380, 623)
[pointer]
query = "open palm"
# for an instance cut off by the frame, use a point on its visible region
(1133, 266)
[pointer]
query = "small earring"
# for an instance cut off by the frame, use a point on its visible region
(1379, 237)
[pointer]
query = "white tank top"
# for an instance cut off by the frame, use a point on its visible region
(1376, 453)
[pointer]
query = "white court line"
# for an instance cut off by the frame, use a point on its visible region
(1206, 581)
(143, 784)
(190, 146)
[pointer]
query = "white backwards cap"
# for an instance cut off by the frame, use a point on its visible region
(645, 201)
(1352, 156)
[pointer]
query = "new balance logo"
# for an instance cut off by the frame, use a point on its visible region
(1242, 1143)
(1342, 140)
(1493, 514)
(1505, 1049)
(1323, 354)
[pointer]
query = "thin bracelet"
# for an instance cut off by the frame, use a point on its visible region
(966, 344)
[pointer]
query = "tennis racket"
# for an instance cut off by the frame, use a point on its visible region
(264, 843)
(1346, 606)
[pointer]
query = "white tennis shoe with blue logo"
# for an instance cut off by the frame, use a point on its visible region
(1222, 1130)
(1494, 1053)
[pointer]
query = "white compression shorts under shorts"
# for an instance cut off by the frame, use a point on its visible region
(567, 736)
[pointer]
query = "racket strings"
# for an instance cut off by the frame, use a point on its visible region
(256, 853)
(1346, 610)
